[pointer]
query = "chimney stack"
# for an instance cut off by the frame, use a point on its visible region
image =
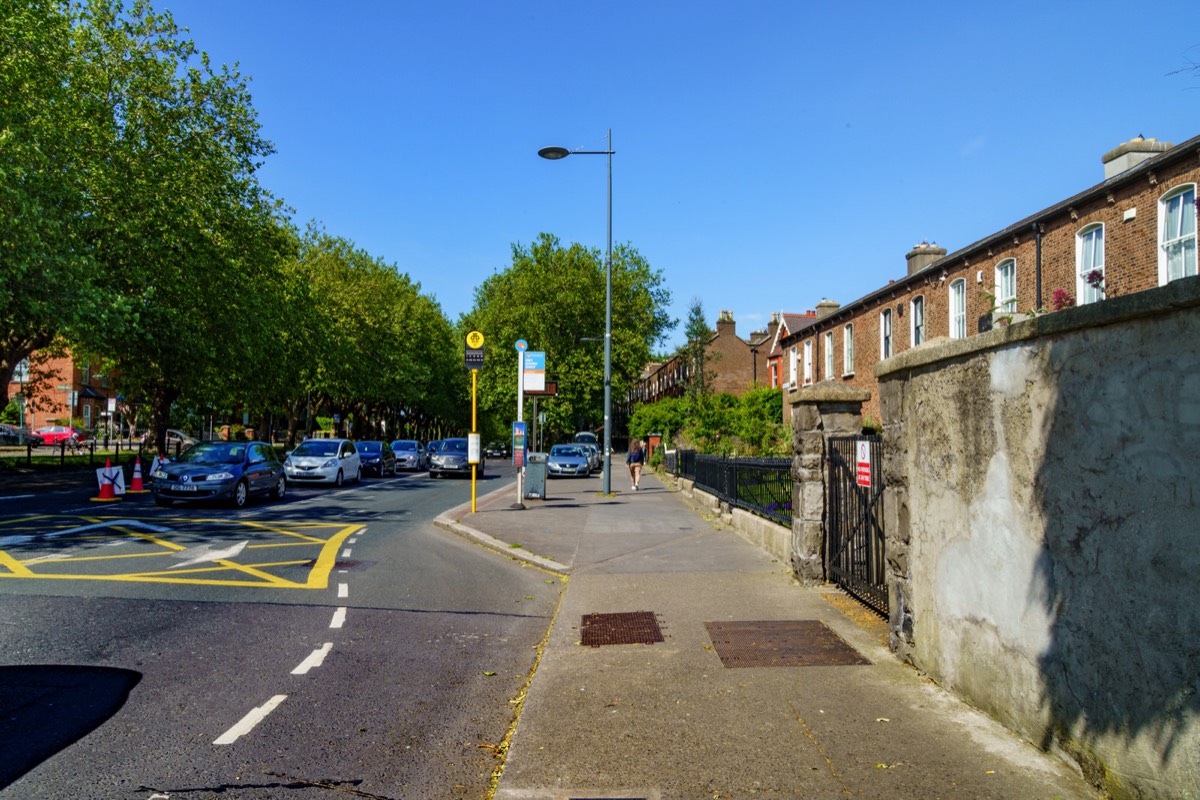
(1127, 156)
(922, 255)
(827, 307)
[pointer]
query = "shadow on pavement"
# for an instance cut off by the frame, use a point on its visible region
(47, 708)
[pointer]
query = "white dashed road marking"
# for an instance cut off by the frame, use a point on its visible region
(248, 722)
(343, 590)
(339, 617)
(315, 659)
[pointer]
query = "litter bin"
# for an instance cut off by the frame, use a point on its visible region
(535, 476)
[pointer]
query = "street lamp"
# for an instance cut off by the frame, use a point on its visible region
(554, 154)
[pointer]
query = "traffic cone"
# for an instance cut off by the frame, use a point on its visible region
(107, 493)
(137, 487)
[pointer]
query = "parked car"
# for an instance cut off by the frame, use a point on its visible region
(329, 460)
(449, 457)
(176, 440)
(568, 460)
(410, 454)
(376, 457)
(11, 435)
(55, 434)
(233, 471)
(496, 450)
(586, 437)
(593, 453)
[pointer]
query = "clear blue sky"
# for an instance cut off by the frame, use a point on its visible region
(768, 154)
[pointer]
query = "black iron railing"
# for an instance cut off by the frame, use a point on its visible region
(761, 486)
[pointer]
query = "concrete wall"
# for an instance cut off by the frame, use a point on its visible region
(1043, 543)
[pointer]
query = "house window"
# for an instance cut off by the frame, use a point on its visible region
(1177, 234)
(774, 376)
(848, 350)
(1089, 264)
(828, 355)
(958, 309)
(86, 372)
(792, 366)
(1006, 286)
(808, 362)
(885, 333)
(918, 320)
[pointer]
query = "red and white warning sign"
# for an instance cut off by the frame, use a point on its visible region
(863, 462)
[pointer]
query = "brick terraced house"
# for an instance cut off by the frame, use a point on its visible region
(1133, 231)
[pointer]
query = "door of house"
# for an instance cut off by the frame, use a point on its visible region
(854, 557)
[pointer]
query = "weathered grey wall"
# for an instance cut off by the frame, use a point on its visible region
(1043, 538)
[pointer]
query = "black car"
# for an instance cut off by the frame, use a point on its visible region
(11, 435)
(376, 457)
(496, 450)
(449, 457)
(232, 471)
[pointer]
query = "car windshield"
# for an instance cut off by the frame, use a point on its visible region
(318, 447)
(565, 450)
(404, 445)
(368, 447)
(452, 446)
(215, 453)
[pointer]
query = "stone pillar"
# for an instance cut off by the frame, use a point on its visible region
(817, 413)
(896, 521)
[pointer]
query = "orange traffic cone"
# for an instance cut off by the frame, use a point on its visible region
(107, 479)
(137, 487)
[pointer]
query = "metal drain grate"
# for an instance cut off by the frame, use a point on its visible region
(780, 643)
(630, 627)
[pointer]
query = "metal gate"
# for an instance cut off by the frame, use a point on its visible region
(854, 556)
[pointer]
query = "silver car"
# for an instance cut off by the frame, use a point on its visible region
(449, 457)
(324, 460)
(410, 454)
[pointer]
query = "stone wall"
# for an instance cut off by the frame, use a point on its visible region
(1043, 547)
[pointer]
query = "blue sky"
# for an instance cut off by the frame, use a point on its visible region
(768, 154)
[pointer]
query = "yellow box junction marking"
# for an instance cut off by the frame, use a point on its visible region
(209, 552)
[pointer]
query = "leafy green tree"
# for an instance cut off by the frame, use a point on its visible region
(553, 297)
(694, 351)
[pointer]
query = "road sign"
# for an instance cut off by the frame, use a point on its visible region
(535, 371)
(475, 340)
(474, 357)
(863, 465)
(522, 345)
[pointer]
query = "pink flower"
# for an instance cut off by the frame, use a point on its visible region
(1061, 300)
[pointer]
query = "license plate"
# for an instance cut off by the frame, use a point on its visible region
(186, 487)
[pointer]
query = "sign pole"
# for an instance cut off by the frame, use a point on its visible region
(474, 432)
(473, 356)
(521, 347)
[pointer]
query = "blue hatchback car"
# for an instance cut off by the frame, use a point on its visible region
(232, 471)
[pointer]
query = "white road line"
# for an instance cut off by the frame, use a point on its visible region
(248, 722)
(343, 590)
(18, 497)
(314, 660)
(352, 541)
(339, 617)
(346, 553)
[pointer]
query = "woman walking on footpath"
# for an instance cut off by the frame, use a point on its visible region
(635, 459)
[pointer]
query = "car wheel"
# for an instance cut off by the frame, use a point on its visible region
(339, 480)
(432, 475)
(358, 476)
(241, 493)
(280, 488)
(165, 502)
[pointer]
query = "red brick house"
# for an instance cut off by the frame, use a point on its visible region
(1133, 231)
(71, 391)
(780, 369)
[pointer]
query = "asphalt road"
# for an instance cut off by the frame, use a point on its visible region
(331, 645)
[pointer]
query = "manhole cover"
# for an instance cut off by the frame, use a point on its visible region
(630, 627)
(780, 643)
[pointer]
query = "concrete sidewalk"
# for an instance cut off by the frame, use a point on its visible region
(669, 720)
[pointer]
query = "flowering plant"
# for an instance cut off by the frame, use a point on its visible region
(1062, 299)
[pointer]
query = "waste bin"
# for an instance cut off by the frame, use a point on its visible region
(535, 476)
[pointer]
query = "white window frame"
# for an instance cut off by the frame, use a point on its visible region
(886, 337)
(828, 355)
(848, 350)
(958, 309)
(1006, 286)
(808, 362)
(1089, 256)
(1181, 237)
(792, 357)
(916, 320)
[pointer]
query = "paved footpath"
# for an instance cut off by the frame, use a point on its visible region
(669, 720)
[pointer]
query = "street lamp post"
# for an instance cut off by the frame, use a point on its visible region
(554, 154)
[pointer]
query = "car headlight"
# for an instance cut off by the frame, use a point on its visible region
(217, 476)
(159, 475)
(330, 463)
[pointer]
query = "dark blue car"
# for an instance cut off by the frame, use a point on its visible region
(232, 471)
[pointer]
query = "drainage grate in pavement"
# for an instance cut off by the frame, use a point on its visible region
(780, 643)
(629, 627)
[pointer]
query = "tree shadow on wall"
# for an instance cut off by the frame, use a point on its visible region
(46, 708)
(1118, 488)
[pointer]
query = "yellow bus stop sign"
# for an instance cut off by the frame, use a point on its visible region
(474, 340)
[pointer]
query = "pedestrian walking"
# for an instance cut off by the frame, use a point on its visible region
(635, 459)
